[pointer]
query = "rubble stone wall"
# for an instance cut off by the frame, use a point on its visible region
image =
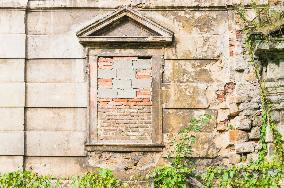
(44, 87)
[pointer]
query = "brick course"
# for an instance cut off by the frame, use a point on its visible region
(124, 100)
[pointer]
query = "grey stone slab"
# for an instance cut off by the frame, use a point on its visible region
(57, 166)
(57, 95)
(55, 143)
(12, 95)
(12, 45)
(125, 74)
(142, 84)
(55, 70)
(121, 84)
(107, 93)
(12, 70)
(122, 64)
(105, 73)
(11, 163)
(11, 119)
(55, 46)
(142, 64)
(56, 119)
(126, 93)
(12, 21)
(184, 96)
(12, 143)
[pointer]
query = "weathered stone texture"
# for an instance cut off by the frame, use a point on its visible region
(12, 21)
(184, 96)
(12, 94)
(13, 45)
(55, 70)
(57, 95)
(57, 166)
(11, 119)
(11, 143)
(12, 70)
(56, 119)
(11, 163)
(55, 143)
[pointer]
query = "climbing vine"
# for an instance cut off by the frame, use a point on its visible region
(262, 172)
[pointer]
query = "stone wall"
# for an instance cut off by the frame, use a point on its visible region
(45, 92)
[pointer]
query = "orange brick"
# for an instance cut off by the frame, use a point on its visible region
(143, 74)
(105, 59)
(105, 82)
(143, 94)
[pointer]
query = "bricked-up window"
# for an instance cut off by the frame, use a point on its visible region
(124, 100)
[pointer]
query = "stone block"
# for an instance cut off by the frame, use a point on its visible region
(141, 84)
(121, 84)
(12, 95)
(55, 143)
(184, 96)
(12, 143)
(12, 46)
(245, 147)
(55, 46)
(56, 119)
(12, 21)
(105, 73)
(185, 71)
(74, 20)
(11, 163)
(254, 133)
(57, 95)
(107, 93)
(241, 123)
(175, 119)
(123, 64)
(12, 70)
(205, 146)
(11, 119)
(125, 74)
(126, 93)
(142, 64)
(57, 166)
(199, 46)
(55, 70)
(13, 3)
(238, 136)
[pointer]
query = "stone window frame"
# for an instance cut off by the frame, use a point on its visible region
(157, 133)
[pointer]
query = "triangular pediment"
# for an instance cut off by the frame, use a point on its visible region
(124, 26)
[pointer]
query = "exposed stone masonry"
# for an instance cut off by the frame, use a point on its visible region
(124, 100)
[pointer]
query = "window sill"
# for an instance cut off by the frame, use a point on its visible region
(125, 147)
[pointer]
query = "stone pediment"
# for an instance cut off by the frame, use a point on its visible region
(124, 26)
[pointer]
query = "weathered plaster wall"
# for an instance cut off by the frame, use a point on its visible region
(44, 91)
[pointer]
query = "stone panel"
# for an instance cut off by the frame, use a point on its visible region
(148, 3)
(203, 46)
(175, 119)
(12, 21)
(11, 163)
(12, 70)
(11, 119)
(55, 46)
(13, 3)
(12, 94)
(56, 119)
(185, 71)
(59, 143)
(205, 146)
(55, 70)
(74, 20)
(184, 96)
(12, 143)
(56, 166)
(12, 46)
(57, 95)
